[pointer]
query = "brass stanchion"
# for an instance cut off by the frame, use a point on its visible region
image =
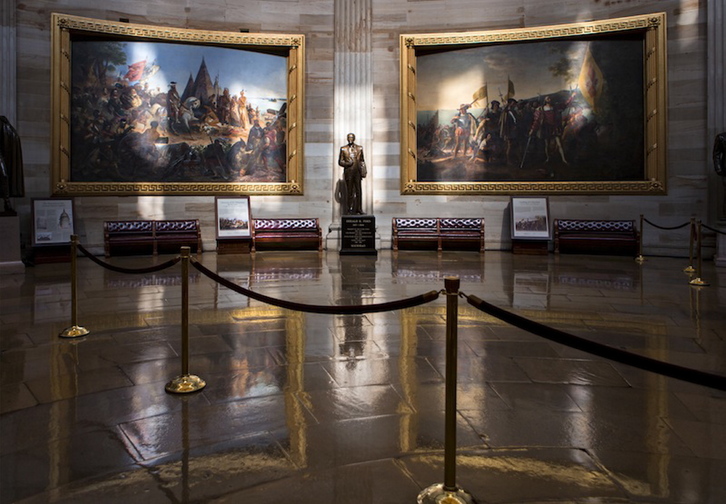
(185, 383)
(690, 269)
(74, 331)
(447, 492)
(698, 282)
(640, 259)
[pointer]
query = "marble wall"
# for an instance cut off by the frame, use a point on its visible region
(688, 145)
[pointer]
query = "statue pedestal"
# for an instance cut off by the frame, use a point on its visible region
(720, 258)
(10, 259)
(358, 235)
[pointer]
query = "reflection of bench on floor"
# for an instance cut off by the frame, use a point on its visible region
(446, 233)
(286, 234)
(151, 236)
(611, 237)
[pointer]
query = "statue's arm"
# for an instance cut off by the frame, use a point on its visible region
(344, 159)
(719, 154)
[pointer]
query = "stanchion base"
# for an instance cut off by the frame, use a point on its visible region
(74, 332)
(185, 384)
(699, 283)
(689, 269)
(435, 494)
(640, 259)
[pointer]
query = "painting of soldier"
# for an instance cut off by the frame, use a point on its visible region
(549, 110)
(172, 112)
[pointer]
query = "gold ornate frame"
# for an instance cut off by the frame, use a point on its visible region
(66, 29)
(650, 28)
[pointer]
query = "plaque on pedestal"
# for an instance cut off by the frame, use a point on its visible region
(358, 235)
(720, 258)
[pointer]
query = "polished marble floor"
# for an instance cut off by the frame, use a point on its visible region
(311, 408)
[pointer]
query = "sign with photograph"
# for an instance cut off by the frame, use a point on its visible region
(52, 221)
(233, 217)
(530, 219)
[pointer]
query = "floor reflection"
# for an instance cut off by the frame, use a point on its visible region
(305, 407)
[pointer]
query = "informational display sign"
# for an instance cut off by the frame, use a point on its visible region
(233, 217)
(52, 221)
(530, 218)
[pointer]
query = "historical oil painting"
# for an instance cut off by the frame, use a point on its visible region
(543, 110)
(175, 112)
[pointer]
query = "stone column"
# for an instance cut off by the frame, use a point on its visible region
(353, 94)
(10, 255)
(8, 96)
(716, 104)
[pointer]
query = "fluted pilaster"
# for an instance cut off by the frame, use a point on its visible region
(8, 103)
(353, 87)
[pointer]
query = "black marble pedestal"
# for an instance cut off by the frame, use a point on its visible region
(358, 235)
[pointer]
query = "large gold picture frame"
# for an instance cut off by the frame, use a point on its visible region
(150, 110)
(573, 108)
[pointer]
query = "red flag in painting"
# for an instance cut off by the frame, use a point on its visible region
(591, 80)
(135, 71)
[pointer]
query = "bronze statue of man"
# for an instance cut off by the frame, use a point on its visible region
(354, 170)
(719, 164)
(12, 184)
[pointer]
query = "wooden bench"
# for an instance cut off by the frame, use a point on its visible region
(607, 237)
(151, 236)
(438, 233)
(287, 234)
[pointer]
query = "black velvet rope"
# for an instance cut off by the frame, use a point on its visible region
(646, 363)
(666, 227)
(119, 269)
(331, 310)
(712, 229)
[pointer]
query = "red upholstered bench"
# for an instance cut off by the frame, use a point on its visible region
(607, 237)
(150, 236)
(128, 237)
(418, 233)
(170, 235)
(286, 234)
(461, 233)
(446, 233)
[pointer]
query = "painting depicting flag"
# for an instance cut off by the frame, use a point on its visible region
(136, 71)
(550, 106)
(591, 80)
(510, 88)
(149, 71)
(481, 94)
